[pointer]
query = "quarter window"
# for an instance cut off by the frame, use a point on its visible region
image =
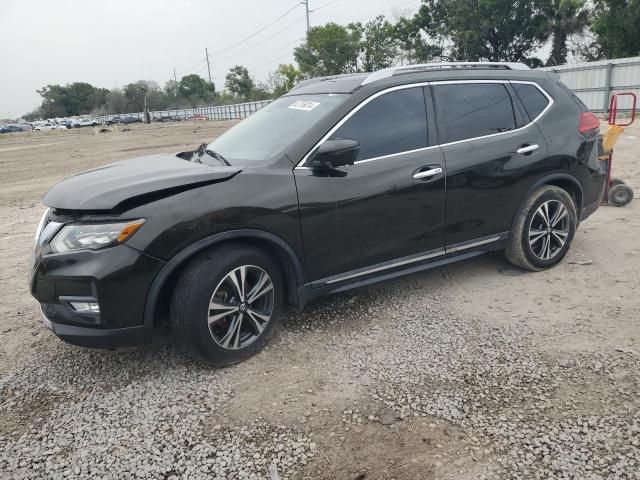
(532, 98)
(392, 123)
(469, 110)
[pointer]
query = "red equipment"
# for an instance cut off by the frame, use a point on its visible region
(616, 191)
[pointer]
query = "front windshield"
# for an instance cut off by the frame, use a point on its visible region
(267, 132)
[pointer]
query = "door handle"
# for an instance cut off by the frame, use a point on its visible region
(427, 174)
(526, 149)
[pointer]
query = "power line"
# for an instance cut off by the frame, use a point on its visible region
(295, 22)
(292, 45)
(260, 30)
(181, 72)
(281, 53)
(325, 5)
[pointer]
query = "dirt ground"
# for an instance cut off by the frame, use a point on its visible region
(322, 375)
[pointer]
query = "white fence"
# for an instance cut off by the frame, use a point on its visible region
(594, 82)
(219, 112)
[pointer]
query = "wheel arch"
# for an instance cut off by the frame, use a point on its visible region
(158, 298)
(566, 181)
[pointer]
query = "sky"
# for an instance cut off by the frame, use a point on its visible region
(110, 43)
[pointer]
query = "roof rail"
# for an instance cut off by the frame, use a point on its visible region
(391, 71)
(311, 81)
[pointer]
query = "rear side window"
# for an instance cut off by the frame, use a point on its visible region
(470, 110)
(392, 123)
(532, 98)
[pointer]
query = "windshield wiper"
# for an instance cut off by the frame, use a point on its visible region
(203, 150)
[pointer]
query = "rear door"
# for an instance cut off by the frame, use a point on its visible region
(385, 206)
(493, 153)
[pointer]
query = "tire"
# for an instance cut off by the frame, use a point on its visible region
(210, 277)
(620, 195)
(546, 247)
(616, 181)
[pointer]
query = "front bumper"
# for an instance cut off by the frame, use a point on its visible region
(98, 337)
(117, 278)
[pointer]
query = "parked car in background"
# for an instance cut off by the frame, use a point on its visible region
(131, 119)
(197, 117)
(62, 123)
(114, 120)
(50, 126)
(86, 122)
(18, 127)
(342, 182)
(172, 118)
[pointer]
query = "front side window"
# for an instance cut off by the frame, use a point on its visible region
(267, 133)
(469, 110)
(393, 123)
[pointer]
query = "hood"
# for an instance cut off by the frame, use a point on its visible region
(130, 181)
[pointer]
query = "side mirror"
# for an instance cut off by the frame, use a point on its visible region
(336, 153)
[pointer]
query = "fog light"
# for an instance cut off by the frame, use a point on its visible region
(85, 307)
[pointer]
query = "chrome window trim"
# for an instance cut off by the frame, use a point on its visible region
(353, 111)
(301, 164)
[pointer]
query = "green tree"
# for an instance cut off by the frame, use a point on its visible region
(72, 99)
(116, 102)
(285, 78)
(239, 82)
(193, 85)
(414, 41)
(135, 94)
(616, 26)
(491, 30)
(380, 45)
(331, 49)
(566, 17)
(171, 89)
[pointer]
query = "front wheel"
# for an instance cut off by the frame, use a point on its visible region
(227, 304)
(543, 229)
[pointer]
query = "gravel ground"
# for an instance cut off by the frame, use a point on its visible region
(467, 372)
(139, 414)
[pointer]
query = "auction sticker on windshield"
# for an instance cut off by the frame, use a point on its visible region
(306, 105)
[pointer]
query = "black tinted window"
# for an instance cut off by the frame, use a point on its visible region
(392, 123)
(472, 110)
(532, 98)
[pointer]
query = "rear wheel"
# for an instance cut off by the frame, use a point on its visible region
(227, 304)
(543, 229)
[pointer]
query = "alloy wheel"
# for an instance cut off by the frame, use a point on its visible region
(241, 307)
(549, 229)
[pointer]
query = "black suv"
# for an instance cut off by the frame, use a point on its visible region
(342, 182)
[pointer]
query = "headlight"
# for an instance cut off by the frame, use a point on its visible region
(40, 225)
(93, 236)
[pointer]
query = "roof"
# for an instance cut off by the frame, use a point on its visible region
(349, 83)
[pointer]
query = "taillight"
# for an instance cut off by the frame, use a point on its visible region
(588, 121)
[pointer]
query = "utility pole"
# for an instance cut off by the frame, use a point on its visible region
(306, 6)
(175, 78)
(208, 65)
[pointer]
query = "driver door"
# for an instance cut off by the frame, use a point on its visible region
(380, 209)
